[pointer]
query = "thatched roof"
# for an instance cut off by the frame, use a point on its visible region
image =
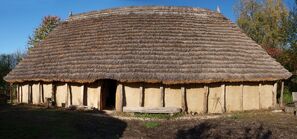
(167, 45)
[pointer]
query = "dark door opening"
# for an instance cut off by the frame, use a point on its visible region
(108, 90)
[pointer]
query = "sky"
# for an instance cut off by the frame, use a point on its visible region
(19, 18)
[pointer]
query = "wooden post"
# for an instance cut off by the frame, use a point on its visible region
(82, 93)
(274, 96)
(40, 93)
(67, 95)
(282, 94)
(183, 98)
(141, 90)
(223, 86)
(54, 93)
(18, 93)
(205, 104)
(162, 96)
(30, 94)
(120, 91)
(100, 96)
(259, 90)
(21, 87)
(10, 91)
(241, 98)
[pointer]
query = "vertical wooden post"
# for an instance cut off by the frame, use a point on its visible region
(21, 87)
(11, 93)
(82, 92)
(183, 98)
(120, 91)
(18, 93)
(274, 96)
(241, 98)
(223, 98)
(282, 94)
(39, 92)
(259, 90)
(205, 102)
(162, 96)
(141, 90)
(100, 96)
(67, 95)
(30, 101)
(54, 93)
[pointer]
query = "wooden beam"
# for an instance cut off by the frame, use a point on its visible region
(21, 87)
(274, 96)
(183, 98)
(11, 93)
(162, 96)
(282, 94)
(141, 91)
(241, 98)
(223, 86)
(54, 88)
(120, 91)
(18, 93)
(40, 93)
(259, 90)
(30, 94)
(205, 101)
(170, 110)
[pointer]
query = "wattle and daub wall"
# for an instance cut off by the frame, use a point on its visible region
(198, 98)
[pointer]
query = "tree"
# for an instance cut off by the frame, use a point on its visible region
(265, 21)
(40, 33)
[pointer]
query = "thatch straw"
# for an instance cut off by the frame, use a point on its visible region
(167, 45)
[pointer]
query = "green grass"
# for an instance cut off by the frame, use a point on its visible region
(151, 124)
(157, 116)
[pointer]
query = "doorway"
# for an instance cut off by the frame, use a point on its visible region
(108, 96)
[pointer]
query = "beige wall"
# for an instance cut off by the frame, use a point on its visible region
(77, 94)
(172, 96)
(251, 97)
(215, 99)
(61, 94)
(266, 96)
(93, 98)
(47, 91)
(131, 95)
(233, 98)
(152, 96)
(195, 98)
(24, 89)
(35, 94)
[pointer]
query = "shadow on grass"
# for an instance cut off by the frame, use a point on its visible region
(215, 130)
(26, 122)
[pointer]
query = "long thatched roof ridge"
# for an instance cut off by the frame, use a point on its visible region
(170, 45)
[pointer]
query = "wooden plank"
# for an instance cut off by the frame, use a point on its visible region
(29, 93)
(183, 98)
(282, 94)
(274, 96)
(152, 110)
(18, 93)
(223, 86)
(205, 102)
(11, 96)
(141, 91)
(241, 98)
(54, 93)
(259, 93)
(40, 93)
(162, 96)
(120, 91)
(21, 87)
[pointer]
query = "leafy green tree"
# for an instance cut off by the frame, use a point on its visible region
(40, 33)
(265, 21)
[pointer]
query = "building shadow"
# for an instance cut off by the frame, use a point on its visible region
(215, 130)
(30, 122)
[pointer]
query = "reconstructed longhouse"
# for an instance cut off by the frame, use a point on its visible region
(149, 58)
